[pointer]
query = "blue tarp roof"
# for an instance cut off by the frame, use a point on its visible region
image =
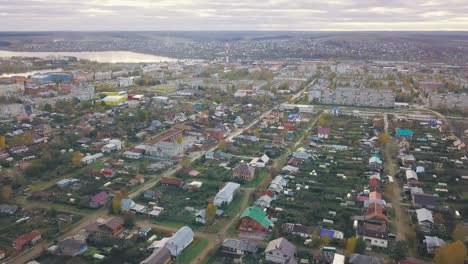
(331, 233)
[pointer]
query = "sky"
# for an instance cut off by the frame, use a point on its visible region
(280, 15)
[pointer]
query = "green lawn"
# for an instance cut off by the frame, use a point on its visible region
(257, 180)
(163, 88)
(192, 251)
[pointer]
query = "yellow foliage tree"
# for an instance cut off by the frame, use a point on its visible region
(453, 253)
(180, 139)
(76, 158)
(6, 194)
(116, 203)
(324, 120)
(383, 139)
(325, 240)
(210, 213)
(351, 245)
(460, 232)
(222, 145)
(185, 162)
(2, 142)
(27, 139)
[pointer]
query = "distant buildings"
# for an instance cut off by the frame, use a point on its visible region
(458, 102)
(352, 96)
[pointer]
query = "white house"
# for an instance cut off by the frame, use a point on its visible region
(226, 194)
(180, 240)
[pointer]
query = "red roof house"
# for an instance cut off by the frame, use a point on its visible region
(108, 172)
(30, 238)
(166, 181)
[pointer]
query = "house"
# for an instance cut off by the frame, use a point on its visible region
(150, 195)
(226, 194)
(29, 239)
(332, 234)
(280, 251)
(363, 259)
(238, 248)
(180, 240)
(425, 219)
(98, 200)
(411, 176)
(264, 201)
(143, 232)
(323, 132)
(108, 172)
(404, 134)
(6, 209)
(200, 216)
(254, 219)
(244, 172)
(422, 200)
(375, 163)
(166, 144)
(216, 133)
(375, 212)
(133, 153)
(174, 182)
(374, 183)
(126, 205)
(278, 184)
(432, 243)
(66, 182)
(71, 247)
(374, 234)
(110, 227)
(296, 230)
(161, 255)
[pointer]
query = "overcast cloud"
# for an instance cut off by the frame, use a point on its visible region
(308, 15)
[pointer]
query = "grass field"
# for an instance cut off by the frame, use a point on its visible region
(163, 88)
(192, 251)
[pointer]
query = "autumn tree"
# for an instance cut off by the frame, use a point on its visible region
(180, 139)
(2, 142)
(351, 245)
(185, 162)
(399, 250)
(27, 139)
(453, 253)
(76, 158)
(324, 119)
(222, 145)
(325, 241)
(117, 200)
(460, 232)
(258, 132)
(210, 212)
(383, 139)
(6, 194)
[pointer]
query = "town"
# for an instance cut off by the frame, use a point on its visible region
(223, 161)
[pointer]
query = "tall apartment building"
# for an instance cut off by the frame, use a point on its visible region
(449, 101)
(352, 96)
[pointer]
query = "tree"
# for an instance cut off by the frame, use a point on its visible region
(27, 138)
(360, 246)
(210, 213)
(383, 139)
(460, 232)
(325, 241)
(324, 120)
(351, 245)
(453, 253)
(258, 132)
(399, 251)
(47, 108)
(129, 220)
(2, 142)
(52, 212)
(180, 139)
(117, 201)
(185, 162)
(6, 194)
(222, 145)
(76, 158)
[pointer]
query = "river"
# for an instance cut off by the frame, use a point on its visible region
(99, 56)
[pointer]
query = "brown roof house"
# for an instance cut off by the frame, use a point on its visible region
(244, 171)
(110, 227)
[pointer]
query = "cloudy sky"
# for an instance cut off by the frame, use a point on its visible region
(309, 15)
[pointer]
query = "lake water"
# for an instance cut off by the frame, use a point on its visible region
(99, 56)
